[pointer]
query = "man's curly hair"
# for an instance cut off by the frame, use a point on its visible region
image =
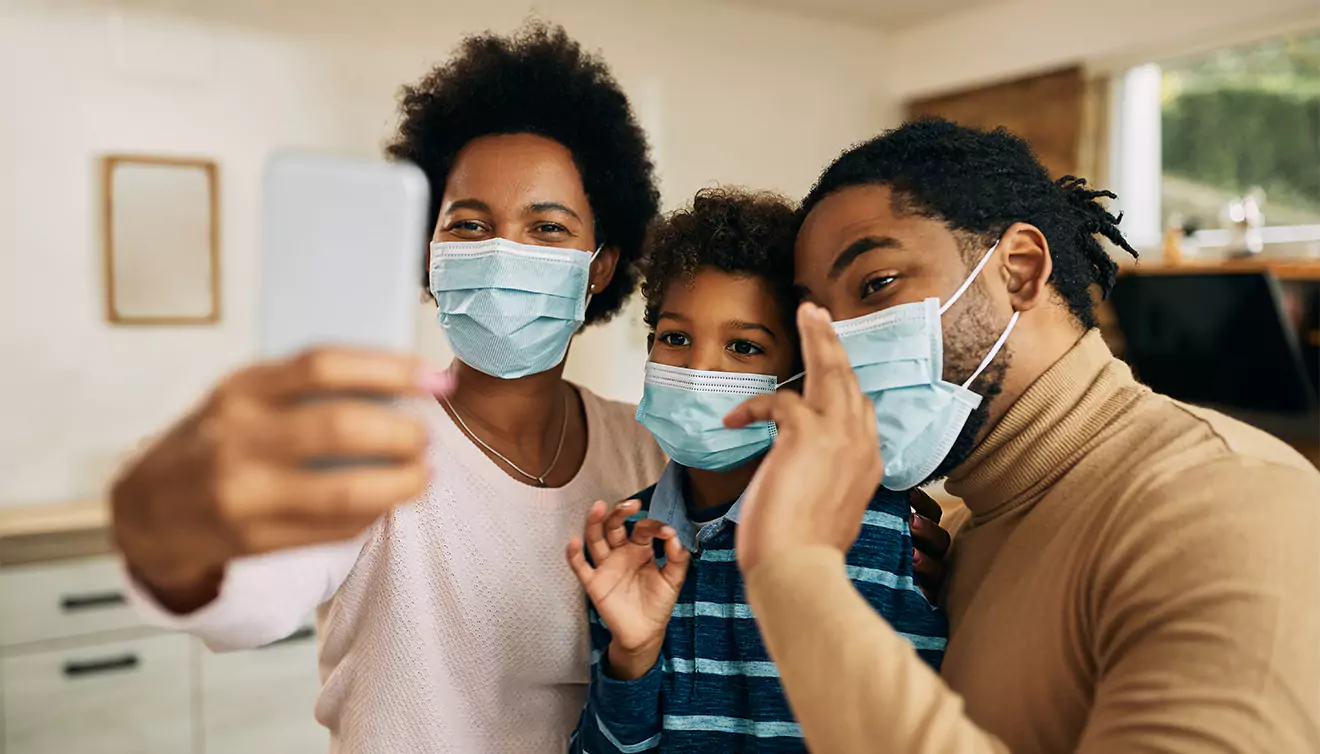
(730, 229)
(539, 81)
(978, 183)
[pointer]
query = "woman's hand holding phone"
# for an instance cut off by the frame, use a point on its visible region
(237, 476)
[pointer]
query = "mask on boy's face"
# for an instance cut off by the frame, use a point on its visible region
(685, 408)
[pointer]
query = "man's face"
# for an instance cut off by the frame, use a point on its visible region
(856, 255)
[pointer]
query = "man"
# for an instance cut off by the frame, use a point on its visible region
(1123, 584)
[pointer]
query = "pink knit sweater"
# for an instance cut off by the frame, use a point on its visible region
(454, 624)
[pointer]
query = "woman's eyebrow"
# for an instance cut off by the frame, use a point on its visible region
(473, 204)
(536, 207)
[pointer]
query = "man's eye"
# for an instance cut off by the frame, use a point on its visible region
(675, 339)
(873, 285)
(745, 348)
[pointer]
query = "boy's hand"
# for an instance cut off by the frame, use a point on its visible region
(634, 596)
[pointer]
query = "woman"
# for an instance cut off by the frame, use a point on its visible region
(542, 190)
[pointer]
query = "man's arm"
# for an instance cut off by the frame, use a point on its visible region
(1206, 626)
(853, 683)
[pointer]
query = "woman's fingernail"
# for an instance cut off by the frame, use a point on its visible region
(436, 382)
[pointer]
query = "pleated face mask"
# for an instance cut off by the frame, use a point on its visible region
(898, 357)
(685, 408)
(509, 309)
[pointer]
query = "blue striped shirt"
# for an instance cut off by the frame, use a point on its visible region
(714, 688)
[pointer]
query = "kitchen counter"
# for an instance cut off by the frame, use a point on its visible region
(56, 531)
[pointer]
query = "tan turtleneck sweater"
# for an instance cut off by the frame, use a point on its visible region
(1138, 575)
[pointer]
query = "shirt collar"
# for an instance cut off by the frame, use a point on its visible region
(669, 506)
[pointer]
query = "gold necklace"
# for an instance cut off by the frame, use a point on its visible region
(540, 480)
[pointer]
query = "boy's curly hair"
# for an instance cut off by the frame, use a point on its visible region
(734, 230)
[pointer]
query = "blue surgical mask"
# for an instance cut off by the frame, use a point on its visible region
(898, 357)
(684, 409)
(509, 309)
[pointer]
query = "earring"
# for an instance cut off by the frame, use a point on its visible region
(593, 287)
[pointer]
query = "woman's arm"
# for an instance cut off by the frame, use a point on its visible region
(261, 599)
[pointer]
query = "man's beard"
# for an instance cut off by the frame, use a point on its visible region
(967, 340)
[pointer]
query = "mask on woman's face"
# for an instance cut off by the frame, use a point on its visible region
(509, 309)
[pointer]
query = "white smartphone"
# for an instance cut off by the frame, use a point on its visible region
(343, 251)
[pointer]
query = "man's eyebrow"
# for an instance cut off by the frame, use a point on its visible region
(858, 248)
(738, 324)
(472, 204)
(552, 207)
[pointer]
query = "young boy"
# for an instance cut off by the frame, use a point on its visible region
(677, 662)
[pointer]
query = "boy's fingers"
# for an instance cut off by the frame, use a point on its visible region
(925, 505)
(677, 558)
(646, 530)
(577, 560)
(594, 533)
(616, 534)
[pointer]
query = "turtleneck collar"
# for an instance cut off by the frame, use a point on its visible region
(1035, 443)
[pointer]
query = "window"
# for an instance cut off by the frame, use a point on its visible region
(1195, 133)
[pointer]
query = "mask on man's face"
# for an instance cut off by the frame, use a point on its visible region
(898, 357)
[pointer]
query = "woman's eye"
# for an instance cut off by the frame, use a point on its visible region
(745, 348)
(875, 284)
(675, 339)
(550, 228)
(466, 227)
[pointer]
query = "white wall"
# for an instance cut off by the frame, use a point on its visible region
(729, 95)
(1016, 38)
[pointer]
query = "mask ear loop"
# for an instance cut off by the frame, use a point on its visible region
(594, 254)
(976, 272)
(794, 378)
(993, 351)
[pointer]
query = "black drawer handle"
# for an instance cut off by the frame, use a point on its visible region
(76, 602)
(302, 634)
(106, 665)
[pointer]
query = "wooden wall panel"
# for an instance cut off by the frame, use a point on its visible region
(1047, 110)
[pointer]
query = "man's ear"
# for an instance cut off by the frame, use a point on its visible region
(1027, 265)
(602, 269)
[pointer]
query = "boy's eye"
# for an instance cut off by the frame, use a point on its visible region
(872, 286)
(675, 339)
(745, 348)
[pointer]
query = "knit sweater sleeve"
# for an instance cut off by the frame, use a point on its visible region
(620, 716)
(262, 599)
(1204, 621)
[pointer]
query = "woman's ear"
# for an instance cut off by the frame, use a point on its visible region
(1027, 265)
(602, 269)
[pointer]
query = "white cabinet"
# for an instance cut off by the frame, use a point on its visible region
(79, 674)
(128, 697)
(58, 600)
(262, 700)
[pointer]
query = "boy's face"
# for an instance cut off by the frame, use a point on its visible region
(722, 322)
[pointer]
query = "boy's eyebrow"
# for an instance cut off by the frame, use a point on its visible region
(671, 315)
(737, 324)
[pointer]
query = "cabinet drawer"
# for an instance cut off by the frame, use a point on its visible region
(55, 601)
(113, 698)
(263, 699)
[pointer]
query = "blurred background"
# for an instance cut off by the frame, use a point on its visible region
(132, 136)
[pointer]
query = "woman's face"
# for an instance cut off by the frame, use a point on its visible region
(524, 188)
(723, 322)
